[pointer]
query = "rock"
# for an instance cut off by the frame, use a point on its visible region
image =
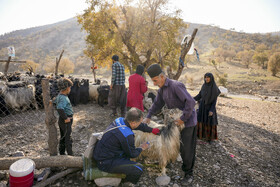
(217, 167)
(107, 181)
(175, 185)
(163, 180)
(2, 185)
(84, 141)
(179, 158)
(18, 154)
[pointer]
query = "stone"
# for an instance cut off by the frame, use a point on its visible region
(179, 158)
(175, 185)
(18, 154)
(2, 185)
(163, 180)
(217, 167)
(107, 181)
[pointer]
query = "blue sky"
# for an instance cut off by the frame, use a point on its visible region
(250, 16)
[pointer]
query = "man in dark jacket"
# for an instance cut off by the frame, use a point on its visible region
(116, 147)
(173, 94)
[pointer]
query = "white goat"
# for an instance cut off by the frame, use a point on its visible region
(165, 147)
(17, 98)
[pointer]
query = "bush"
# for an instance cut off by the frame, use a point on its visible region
(222, 79)
(274, 64)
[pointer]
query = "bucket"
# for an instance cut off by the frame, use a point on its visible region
(22, 173)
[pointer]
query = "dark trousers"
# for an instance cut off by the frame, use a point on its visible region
(65, 137)
(117, 97)
(188, 148)
(132, 170)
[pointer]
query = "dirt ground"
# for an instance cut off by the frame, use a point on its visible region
(246, 154)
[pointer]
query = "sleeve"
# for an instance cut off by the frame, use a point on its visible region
(62, 114)
(128, 147)
(113, 74)
(213, 105)
(157, 105)
(186, 98)
(198, 96)
(61, 104)
(143, 87)
(144, 127)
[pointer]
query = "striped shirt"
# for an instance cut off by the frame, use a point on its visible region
(118, 76)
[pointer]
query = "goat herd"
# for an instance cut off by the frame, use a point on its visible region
(23, 91)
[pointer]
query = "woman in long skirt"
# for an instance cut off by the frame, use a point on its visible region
(207, 116)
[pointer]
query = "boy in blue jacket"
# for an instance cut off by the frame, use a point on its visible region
(113, 152)
(65, 112)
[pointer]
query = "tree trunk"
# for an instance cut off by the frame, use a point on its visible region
(45, 162)
(57, 62)
(50, 118)
(93, 70)
(7, 66)
(184, 52)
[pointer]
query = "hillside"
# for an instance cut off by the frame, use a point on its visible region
(43, 44)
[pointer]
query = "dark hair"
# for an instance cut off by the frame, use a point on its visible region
(115, 58)
(64, 83)
(134, 115)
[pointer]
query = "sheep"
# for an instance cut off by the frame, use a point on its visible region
(17, 98)
(93, 93)
(93, 90)
(166, 147)
(84, 91)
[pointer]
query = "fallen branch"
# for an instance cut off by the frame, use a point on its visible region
(57, 176)
(45, 162)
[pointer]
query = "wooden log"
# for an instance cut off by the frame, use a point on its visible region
(45, 162)
(55, 177)
(50, 118)
(12, 61)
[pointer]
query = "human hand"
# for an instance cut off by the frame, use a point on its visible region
(156, 131)
(111, 87)
(146, 120)
(67, 120)
(144, 146)
(210, 113)
(179, 122)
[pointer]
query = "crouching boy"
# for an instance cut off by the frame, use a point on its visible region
(116, 147)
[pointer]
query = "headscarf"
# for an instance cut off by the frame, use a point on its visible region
(209, 91)
(139, 69)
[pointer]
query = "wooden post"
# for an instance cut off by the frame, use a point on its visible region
(93, 70)
(184, 52)
(57, 62)
(50, 118)
(8, 63)
(7, 66)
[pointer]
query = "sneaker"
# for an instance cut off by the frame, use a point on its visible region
(187, 180)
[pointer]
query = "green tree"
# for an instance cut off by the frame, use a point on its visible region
(261, 59)
(274, 64)
(132, 30)
(245, 57)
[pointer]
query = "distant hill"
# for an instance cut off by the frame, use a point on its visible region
(39, 42)
(46, 42)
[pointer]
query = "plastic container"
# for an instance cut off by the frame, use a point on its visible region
(22, 173)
